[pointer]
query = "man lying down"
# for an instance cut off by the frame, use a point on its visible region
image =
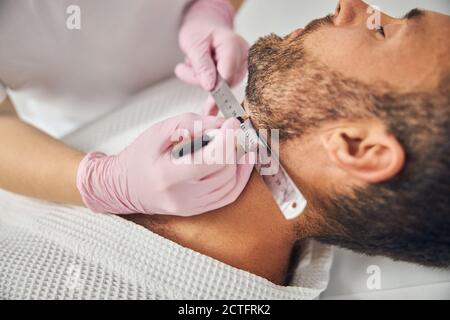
(364, 119)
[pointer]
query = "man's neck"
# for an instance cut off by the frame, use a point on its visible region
(250, 234)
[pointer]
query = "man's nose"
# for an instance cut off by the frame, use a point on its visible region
(355, 12)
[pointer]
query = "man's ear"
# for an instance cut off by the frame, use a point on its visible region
(366, 151)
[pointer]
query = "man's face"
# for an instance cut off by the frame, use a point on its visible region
(402, 55)
(399, 54)
(364, 116)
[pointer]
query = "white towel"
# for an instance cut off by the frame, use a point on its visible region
(50, 251)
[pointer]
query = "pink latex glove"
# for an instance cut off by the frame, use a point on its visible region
(211, 46)
(144, 178)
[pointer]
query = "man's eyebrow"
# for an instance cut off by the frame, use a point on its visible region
(414, 14)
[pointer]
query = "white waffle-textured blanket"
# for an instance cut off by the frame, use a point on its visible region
(50, 251)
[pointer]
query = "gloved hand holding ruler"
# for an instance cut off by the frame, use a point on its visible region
(286, 194)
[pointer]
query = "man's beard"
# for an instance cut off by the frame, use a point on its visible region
(290, 90)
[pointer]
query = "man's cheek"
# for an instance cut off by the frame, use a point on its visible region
(335, 48)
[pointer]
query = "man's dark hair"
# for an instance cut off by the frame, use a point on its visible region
(406, 218)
